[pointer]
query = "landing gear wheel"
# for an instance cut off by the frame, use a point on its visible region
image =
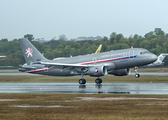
(82, 81)
(137, 75)
(98, 81)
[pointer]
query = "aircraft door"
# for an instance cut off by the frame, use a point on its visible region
(94, 60)
(131, 54)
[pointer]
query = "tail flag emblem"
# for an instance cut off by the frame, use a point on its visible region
(29, 52)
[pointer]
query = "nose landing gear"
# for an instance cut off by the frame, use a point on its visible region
(137, 75)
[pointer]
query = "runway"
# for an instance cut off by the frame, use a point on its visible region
(89, 88)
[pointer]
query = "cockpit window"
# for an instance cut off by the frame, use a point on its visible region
(144, 52)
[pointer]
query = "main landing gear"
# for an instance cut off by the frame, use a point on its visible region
(98, 81)
(137, 75)
(82, 81)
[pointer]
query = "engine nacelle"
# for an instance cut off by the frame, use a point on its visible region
(97, 71)
(121, 72)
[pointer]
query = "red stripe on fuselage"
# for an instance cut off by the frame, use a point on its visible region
(39, 70)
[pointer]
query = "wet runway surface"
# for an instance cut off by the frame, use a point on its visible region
(89, 88)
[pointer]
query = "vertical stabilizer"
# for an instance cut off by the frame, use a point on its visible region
(98, 49)
(161, 57)
(31, 54)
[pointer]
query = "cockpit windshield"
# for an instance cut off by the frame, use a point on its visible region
(144, 52)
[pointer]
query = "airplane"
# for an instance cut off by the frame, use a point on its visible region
(2, 56)
(117, 63)
(158, 62)
(98, 49)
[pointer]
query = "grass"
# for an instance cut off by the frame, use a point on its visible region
(75, 108)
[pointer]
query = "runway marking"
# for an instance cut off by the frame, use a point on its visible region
(4, 100)
(38, 106)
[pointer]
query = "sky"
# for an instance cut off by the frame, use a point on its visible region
(75, 18)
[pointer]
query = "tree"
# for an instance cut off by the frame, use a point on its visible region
(67, 51)
(85, 48)
(61, 46)
(119, 38)
(149, 35)
(136, 36)
(155, 41)
(29, 37)
(145, 44)
(58, 53)
(112, 37)
(158, 31)
(62, 37)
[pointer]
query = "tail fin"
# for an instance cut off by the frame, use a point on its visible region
(31, 54)
(161, 57)
(98, 49)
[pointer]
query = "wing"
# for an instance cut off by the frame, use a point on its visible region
(62, 64)
(74, 67)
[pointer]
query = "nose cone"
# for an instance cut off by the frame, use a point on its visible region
(153, 58)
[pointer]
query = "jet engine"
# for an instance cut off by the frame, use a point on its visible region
(120, 72)
(97, 71)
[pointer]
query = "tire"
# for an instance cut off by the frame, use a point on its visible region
(82, 81)
(97, 81)
(137, 75)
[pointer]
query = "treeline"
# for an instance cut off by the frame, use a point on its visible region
(155, 41)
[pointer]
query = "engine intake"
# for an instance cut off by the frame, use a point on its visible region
(97, 71)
